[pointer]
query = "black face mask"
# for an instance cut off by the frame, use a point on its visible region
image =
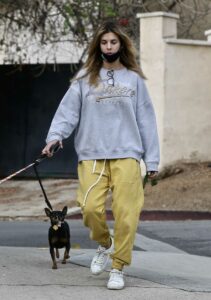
(110, 58)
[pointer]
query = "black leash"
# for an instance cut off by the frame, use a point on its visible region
(42, 188)
(53, 150)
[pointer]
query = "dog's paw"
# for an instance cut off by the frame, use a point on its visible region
(54, 267)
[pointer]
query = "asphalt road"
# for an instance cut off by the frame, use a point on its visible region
(193, 237)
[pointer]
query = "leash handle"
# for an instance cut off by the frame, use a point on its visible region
(54, 148)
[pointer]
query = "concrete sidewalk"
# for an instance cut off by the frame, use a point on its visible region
(26, 274)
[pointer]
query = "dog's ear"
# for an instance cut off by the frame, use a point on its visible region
(48, 212)
(64, 211)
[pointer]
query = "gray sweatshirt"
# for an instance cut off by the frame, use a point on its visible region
(110, 121)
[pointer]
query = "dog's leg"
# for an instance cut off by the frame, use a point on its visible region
(66, 253)
(68, 250)
(64, 258)
(57, 253)
(53, 258)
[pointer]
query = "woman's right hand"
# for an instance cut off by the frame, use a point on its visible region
(47, 148)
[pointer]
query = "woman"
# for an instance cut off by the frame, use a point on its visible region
(109, 107)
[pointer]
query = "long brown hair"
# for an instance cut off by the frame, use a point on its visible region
(127, 52)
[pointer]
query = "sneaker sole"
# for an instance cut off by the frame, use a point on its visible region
(97, 273)
(115, 288)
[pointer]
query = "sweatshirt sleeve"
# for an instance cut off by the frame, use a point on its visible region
(147, 127)
(67, 115)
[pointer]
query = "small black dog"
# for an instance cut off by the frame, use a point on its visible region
(58, 234)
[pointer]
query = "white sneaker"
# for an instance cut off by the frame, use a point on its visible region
(100, 260)
(116, 280)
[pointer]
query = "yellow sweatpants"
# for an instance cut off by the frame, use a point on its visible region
(123, 177)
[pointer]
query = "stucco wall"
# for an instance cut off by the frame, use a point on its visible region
(179, 77)
(187, 121)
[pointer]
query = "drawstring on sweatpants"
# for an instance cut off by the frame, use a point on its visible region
(96, 182)
(94, 166)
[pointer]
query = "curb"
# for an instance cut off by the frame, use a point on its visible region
(146, 215)
(156, 215)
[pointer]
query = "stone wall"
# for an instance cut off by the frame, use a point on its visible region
(179, 81)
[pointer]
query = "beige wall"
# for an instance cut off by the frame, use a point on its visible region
(179, 82)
